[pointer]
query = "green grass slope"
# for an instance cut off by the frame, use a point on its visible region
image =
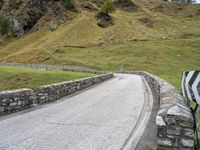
(15, 78)
(134, 42)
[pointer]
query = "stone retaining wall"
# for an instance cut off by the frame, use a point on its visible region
(16, 100)
(52, 67)
(174, 119)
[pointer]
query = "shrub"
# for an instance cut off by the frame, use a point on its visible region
(4, 25)
(107, 7)
(69, 4)
(15, 3)
(1, 4)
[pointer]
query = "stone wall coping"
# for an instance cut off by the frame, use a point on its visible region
(15, 91)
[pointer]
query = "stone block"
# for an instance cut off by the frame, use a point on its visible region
(187, 142)
(2, 109)
(165, 142)
(174, 130)
(170, 121)
(161, 131)
(4, 100)
(189, 133)
(160, 121)
(13, 104)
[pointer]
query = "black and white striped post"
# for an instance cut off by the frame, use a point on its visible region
(191, 91)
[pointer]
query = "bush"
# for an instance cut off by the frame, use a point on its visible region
(15, 3)
(1, 4)
(107, 7)
(69, 4)
(4, 25)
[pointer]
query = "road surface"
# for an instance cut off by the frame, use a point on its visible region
(104, 117)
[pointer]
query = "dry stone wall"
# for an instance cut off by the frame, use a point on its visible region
(174, 119)
(52, 67)
(16, 100)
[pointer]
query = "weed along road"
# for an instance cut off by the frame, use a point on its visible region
(109, 116)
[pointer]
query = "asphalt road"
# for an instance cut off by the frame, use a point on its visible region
(100, 118)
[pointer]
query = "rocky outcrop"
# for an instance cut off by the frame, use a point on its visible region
(127, 5)
(25, 14)
(104, 19)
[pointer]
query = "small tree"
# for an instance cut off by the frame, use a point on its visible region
(107, 7)
(4, 25)
(69, 4)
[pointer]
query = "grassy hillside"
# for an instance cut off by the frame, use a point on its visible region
(159, 37)
(166, 58)
(14, 78)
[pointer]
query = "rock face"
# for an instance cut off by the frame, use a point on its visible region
(53, 26)
(88, 6)
(105, 19)
(127, 5)
(24, 14)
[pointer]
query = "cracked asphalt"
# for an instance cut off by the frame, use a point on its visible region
(100, 118)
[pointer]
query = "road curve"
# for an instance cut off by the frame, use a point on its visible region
(100, 118)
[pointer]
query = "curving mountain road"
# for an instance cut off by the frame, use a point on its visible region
(109, 116)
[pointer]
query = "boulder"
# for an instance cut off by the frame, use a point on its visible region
(105, 19)
(127, 5)
(53, 26)
(88, 5)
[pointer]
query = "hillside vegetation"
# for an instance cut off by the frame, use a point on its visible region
(15, 78)
(156, 36)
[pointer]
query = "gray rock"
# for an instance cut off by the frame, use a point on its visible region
(1, 109)
(187, 142)
(160, 121)
(4, 100)
(88, 5)
(171, 136)
(170, 121)
(13, 104)
(161, 131)
(178, 111)
(19, 102)
(189, 133)
(186, 122)
(174, 131)
(53, 26)
(17, 28)
(165, 142)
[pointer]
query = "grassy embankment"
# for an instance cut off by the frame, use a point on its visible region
(14, 78)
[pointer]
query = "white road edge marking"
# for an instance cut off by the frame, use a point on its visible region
(138, 130)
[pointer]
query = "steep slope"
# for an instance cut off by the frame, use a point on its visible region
(75, 41)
